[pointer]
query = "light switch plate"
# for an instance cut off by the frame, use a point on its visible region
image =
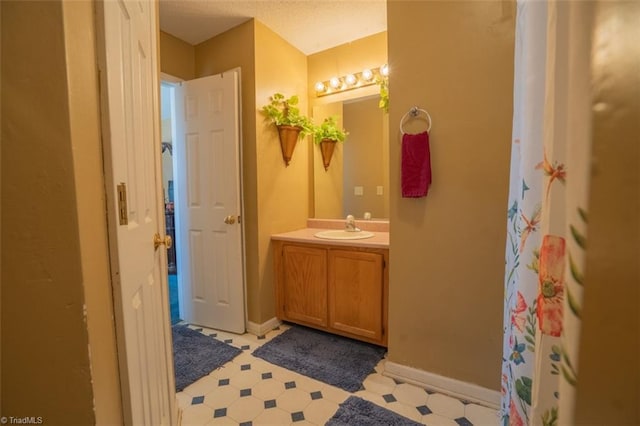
(358, 190)
(379, 190)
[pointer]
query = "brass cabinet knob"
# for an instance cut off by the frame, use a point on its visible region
(158, 241)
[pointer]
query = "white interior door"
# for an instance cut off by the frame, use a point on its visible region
(128, 64)
(208, 230)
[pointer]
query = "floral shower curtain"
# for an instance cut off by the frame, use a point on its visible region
(547, 217)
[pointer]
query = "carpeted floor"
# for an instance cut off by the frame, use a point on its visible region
(173, 298)
(357, 411)
(332, 359)
(196, 355)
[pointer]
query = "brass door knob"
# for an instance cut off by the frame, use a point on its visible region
(158, 241)
(230, 220)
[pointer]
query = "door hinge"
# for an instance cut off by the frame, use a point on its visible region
(123, 218)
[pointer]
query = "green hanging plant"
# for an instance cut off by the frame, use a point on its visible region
(326, 135)
(329, 130)
(283, 111)
(383, 82)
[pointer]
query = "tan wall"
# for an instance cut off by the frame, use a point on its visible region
(455, 59)
(610, 323)
(45, 357)
(283, 191)
(177, 57)
(84, 118)
(235, 48)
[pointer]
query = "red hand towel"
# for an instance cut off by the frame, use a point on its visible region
(416, 165)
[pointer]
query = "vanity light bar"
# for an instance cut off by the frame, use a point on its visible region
(366, 77)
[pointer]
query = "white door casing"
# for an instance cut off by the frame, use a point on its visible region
(127, 60)
(207, 193)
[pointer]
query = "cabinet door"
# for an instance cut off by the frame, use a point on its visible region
(304, 284)
(356, 293)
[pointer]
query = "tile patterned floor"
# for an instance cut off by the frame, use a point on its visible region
(249, 391)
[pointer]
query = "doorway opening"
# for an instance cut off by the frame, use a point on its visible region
(201, 164)
(168, 173)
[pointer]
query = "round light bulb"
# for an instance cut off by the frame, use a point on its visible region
(367, 74)
(350, 79)
(384, 70)
(334, 82)
(320, 86)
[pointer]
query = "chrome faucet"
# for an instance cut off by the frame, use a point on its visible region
(350, 224)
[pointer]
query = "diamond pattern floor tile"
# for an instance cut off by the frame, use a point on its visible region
(298, 416)
(245, 409)
(247, 379)
(293, 400)
(220, 412)
(479, 415)
(410, 394)
(389, 398)
(371, 397)
(268, 389)
(250, 391)
(446, 406)
(274, 416)
(423, 409)
(319, 411)
(463, 421)
(222, 397)
(405, 410)
(434, 419)
(197, 415)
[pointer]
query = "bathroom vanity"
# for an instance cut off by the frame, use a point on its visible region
(339, 286)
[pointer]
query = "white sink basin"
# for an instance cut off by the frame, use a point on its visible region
(341, 234)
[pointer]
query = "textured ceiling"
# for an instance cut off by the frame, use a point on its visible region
(309, 25)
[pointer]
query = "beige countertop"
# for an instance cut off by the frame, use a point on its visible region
(306, 235)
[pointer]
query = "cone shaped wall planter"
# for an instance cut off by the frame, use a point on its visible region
(326, 148)
(288, 139)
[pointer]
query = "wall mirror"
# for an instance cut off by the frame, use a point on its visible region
(357, 180)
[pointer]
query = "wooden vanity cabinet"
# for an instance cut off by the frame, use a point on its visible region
(303, 279)
(356, 287)
(342, 290)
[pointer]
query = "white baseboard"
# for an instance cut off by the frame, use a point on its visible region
(262, 329)
(442, 384)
